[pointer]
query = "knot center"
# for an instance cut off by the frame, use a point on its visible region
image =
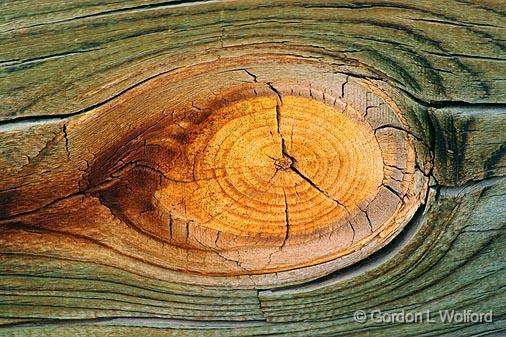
(283, 163)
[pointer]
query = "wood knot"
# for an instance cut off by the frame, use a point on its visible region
(266, 178)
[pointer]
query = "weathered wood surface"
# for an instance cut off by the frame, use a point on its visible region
(465, 137)
(348, 189)
(450, 262)
(82, 78)
(65, 59)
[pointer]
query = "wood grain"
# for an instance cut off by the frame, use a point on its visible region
(246, 168)
(470, 142)
(235, 184)
(416, 277)
(97, 52)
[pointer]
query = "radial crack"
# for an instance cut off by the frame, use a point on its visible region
(353, 231)
(171, 220)
(344, 85)
(287, 221)
(217, 238)
(276, 91)
(278, 121)
(279, 103)
(316, 187)
(65, 135)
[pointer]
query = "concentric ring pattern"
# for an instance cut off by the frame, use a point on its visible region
(261, 176)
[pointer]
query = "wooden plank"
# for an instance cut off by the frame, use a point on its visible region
(91, 91)
(81, 168)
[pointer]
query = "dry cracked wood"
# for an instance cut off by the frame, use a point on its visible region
(250, 168)
(270, 181)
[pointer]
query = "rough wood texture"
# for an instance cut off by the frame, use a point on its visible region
(470, 143)
(450, 261)
(437, 51)
(245, 168)
(229, 185)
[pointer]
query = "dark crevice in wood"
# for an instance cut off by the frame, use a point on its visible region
(389, 126)
(165, 4)
(396, 193)
(17, 64)
(453, 56)
(353, 231)
(451, 104)
(276, 91)
(64, 129)
(453, 23)
(312, 184)
(250, 74)
(63, 116)
(139, 319)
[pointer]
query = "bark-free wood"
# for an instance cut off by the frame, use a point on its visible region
(229, 188)
(443, 51)
(471, 143)
(114, 114)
